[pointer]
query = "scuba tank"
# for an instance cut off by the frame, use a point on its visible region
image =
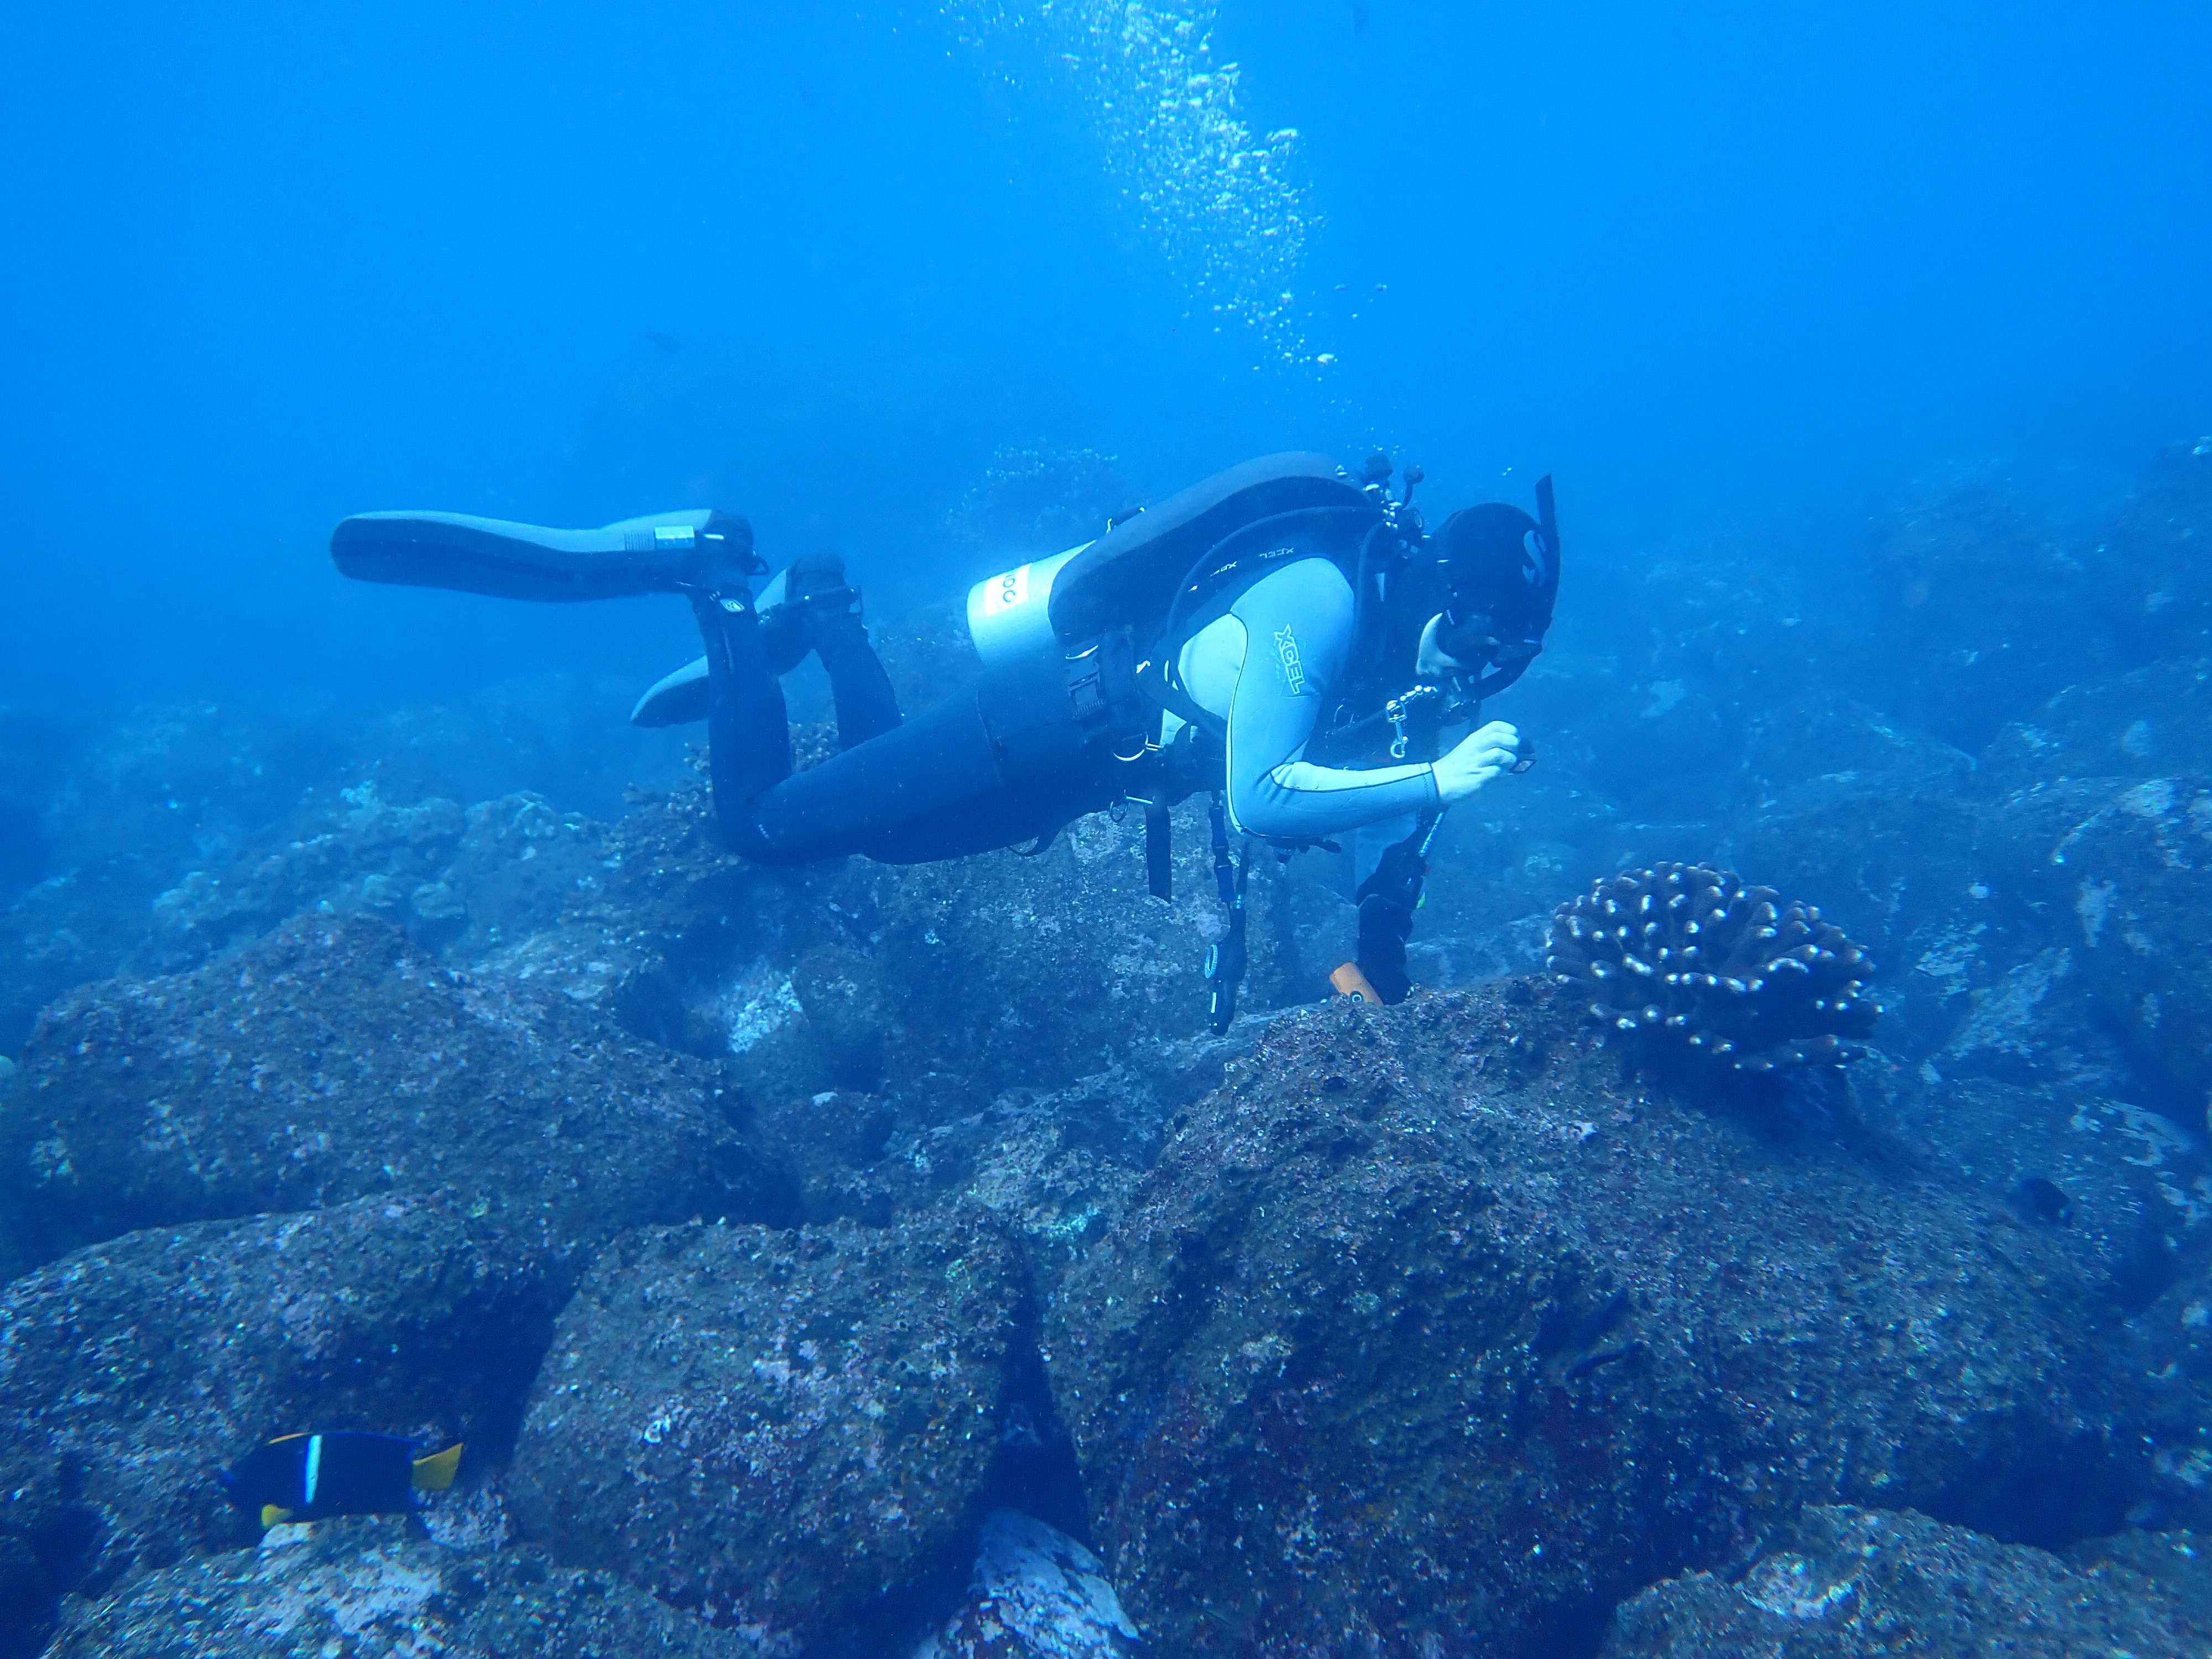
(1148, 566)
(1009, 615)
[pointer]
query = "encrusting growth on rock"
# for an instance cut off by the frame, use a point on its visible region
(1694, 963)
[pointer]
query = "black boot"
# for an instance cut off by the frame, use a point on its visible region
(748, 729)
(1387, 899)
(815, 589)
(721, 561)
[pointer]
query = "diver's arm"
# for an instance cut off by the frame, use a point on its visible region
(1298, 625)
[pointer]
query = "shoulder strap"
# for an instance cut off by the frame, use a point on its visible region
(1211, 587)
(1157, 678)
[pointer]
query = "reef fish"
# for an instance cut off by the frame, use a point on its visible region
(306, 1477)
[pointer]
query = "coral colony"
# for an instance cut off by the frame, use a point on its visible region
(1690, 960)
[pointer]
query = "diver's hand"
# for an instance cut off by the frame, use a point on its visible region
(1477, 757)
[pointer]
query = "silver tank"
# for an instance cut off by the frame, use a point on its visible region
(1007, 614)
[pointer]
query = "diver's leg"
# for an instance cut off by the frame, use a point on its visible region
(938, 766)
(997, 763)
(1387, 899)
(748, 730)
(867, 706)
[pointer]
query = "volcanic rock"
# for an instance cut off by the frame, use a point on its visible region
(1434, 1328)
(131, 1372)
(2130, 873)
(1842, 1583)
(787, 1432)
(1000, 971)
(367, 855)
(1037, 1594)
(333, 1060)
(1985, 610)
(2108, 1182)
(365, 1588)
(2178, 1564)
(2171, 1344)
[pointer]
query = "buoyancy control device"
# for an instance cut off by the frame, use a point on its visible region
(1140, 590)
(1120, 609)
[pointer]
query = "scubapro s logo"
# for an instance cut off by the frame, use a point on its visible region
(1294, 671)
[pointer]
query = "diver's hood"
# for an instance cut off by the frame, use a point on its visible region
(1499, 564)
(1501, 568)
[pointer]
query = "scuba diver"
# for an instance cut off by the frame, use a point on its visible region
(1287, 637)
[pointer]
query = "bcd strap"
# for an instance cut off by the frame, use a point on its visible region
(1108, 705)
(1224, 961)
(1159, 869)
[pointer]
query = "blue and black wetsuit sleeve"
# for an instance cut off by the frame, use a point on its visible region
(1298, 625)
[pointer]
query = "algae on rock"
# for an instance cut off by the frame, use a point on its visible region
(787, 1432)
(1431, 1325)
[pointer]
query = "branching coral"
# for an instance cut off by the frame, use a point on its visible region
(1689, 959)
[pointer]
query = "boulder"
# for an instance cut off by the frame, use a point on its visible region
(1037, 1594)
(933, 985)
(2151, 554)
(2178, 1564)
(2130, 873)
(2170, 1341)
(355, 853)
(964, 988)
(930, 988)
(785, 1432)
(123, 812)
(465, 883)
(1877, 824)
(131, 1372)
(1437, 1326)
(2110, 1182)
(831, 1141)
(333, 1060)
(1985, 610)
(2152, 719)
(367, 1589)
(1841, 1582)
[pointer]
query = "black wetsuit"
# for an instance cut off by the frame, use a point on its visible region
(1026, 746)
(998, 762)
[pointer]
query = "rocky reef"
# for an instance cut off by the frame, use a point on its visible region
(370, 1587)
(1838, 1582)
(331, 1062)
(1432, 1325)
(781, 1432)
(887, 1263)
(130, 1369)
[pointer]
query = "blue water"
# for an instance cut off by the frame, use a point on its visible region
(1711, 264)
(1871, 348)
